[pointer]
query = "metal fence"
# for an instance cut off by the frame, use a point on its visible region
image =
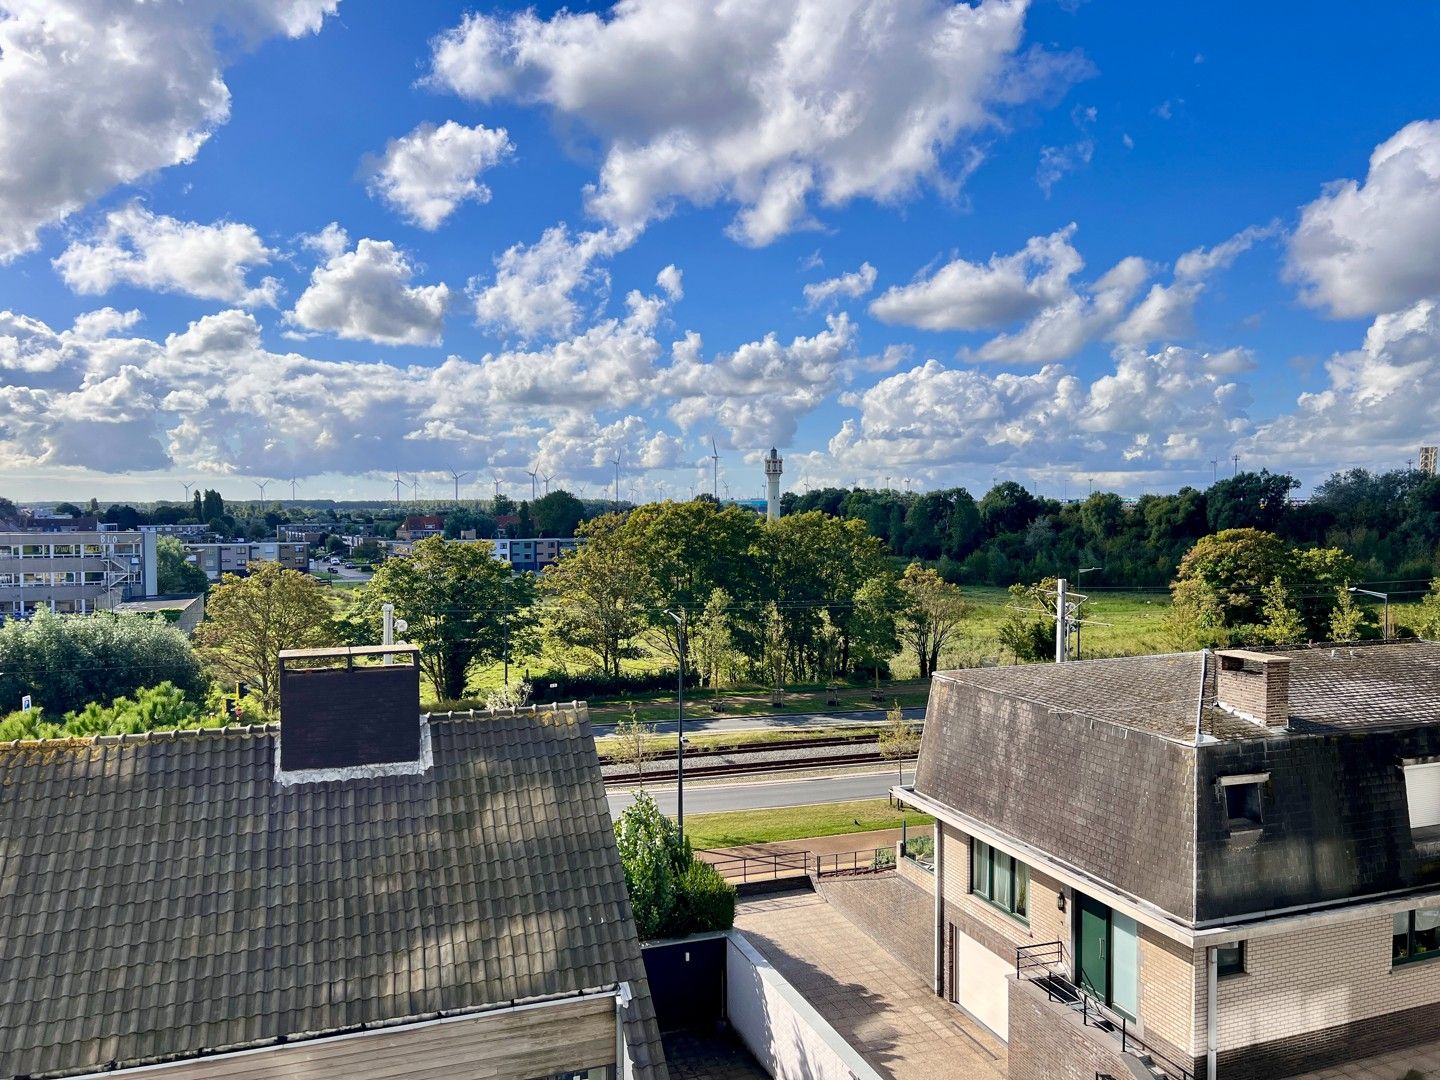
(795, 864)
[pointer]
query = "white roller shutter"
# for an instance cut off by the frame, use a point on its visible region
(1422, 790)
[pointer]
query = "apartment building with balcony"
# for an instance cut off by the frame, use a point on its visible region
(74, 572)
(533, 553)
(1197, 865)
(219, 559)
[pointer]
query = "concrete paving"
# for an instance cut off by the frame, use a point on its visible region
(695, 1056)
(882, 1008)
(755, 794)
(1395, 1065)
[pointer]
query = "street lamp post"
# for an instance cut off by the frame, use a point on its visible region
(1078, 573)
(1385, 626)
(680, 727)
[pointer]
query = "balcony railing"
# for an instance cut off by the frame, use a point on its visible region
(1044, 965)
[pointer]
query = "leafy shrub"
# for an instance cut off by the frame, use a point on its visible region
(596, 684)
(67, 661)
(920, 847)
(671, 892)
(883, 860)
(156, 708)
(706, 901)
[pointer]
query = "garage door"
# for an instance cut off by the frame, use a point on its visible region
(979, 983)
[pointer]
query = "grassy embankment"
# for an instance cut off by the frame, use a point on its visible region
(797, 823)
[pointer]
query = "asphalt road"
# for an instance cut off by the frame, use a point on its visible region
(807, 791)
(701, 724)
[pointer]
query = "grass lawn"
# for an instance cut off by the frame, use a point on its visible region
(797, 823)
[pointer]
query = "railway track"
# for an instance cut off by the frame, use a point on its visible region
(664, 771)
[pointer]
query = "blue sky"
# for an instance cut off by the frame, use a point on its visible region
(1054, 242)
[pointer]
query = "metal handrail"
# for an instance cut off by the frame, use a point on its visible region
(859, 861)
(1093, 1012)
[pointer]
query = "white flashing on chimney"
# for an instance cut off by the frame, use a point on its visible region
(291, 777)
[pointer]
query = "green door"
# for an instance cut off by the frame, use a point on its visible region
(1092, 937)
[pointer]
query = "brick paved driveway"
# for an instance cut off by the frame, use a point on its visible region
(886, 1011)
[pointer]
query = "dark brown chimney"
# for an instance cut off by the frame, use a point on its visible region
(336, 713)
(1254, 685)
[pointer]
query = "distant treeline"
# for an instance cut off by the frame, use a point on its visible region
(1389, 522)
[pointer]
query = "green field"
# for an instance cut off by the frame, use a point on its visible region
(797, 823)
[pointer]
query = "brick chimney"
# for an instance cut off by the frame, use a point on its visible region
(1254, 685)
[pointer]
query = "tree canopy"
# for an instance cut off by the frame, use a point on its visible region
(461, 603)
(65, 662)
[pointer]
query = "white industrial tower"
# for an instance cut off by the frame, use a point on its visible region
(773, 468)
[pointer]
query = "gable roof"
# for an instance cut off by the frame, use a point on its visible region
(163, 896)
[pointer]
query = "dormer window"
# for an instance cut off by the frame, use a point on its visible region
(1244, 800)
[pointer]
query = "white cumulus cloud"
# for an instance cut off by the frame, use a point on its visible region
(1365, 248)
(95, 94)
(429, 172)
(366, 295)
(853, 285)
(533, 293)
(152, 251)
(770, 105)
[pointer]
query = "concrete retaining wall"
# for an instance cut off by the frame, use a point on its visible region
(787, 1036)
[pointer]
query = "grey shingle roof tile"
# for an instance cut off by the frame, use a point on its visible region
(162, 895)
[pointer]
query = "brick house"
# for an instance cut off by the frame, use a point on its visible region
(1197, 865)
(421, 526)
(361, 894)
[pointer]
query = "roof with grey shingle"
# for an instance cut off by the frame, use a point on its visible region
(162, 896)
(1344, 686)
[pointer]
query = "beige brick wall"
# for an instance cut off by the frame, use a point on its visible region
(1313, 980)
(1167, 970)
(1047, 921)
(1167, 990)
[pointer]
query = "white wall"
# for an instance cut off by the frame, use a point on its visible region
(787, 1036)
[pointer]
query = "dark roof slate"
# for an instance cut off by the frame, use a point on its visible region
(163, 895)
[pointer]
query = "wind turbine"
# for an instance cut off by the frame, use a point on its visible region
(293, 483)
(398, 482)
(187, 485)
(415, 489)
(727, 490)
(533, 473)
(262, 485)
(547, 480)
(457, 477)
(616, 463)
(714, 469)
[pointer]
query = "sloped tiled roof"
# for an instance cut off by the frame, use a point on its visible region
(1341, 686)
(163, 896)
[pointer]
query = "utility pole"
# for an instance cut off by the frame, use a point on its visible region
(1062, 624)
(680, 727)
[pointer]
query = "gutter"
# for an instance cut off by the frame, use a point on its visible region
(1210, 932)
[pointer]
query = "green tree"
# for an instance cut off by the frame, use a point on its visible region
(711, 642)
(1347, 618)
(633, 744)
(64, 662)
(462, 604)
(1282, 624)
(249, 620)
(212, 506)
(557, 514)
(899, 739)
(174, 574)
(1221, 581)
(592, 595)
(933, 612)
(1028, 629)
(463, 519)
(1428, 624)
(1249, 501)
